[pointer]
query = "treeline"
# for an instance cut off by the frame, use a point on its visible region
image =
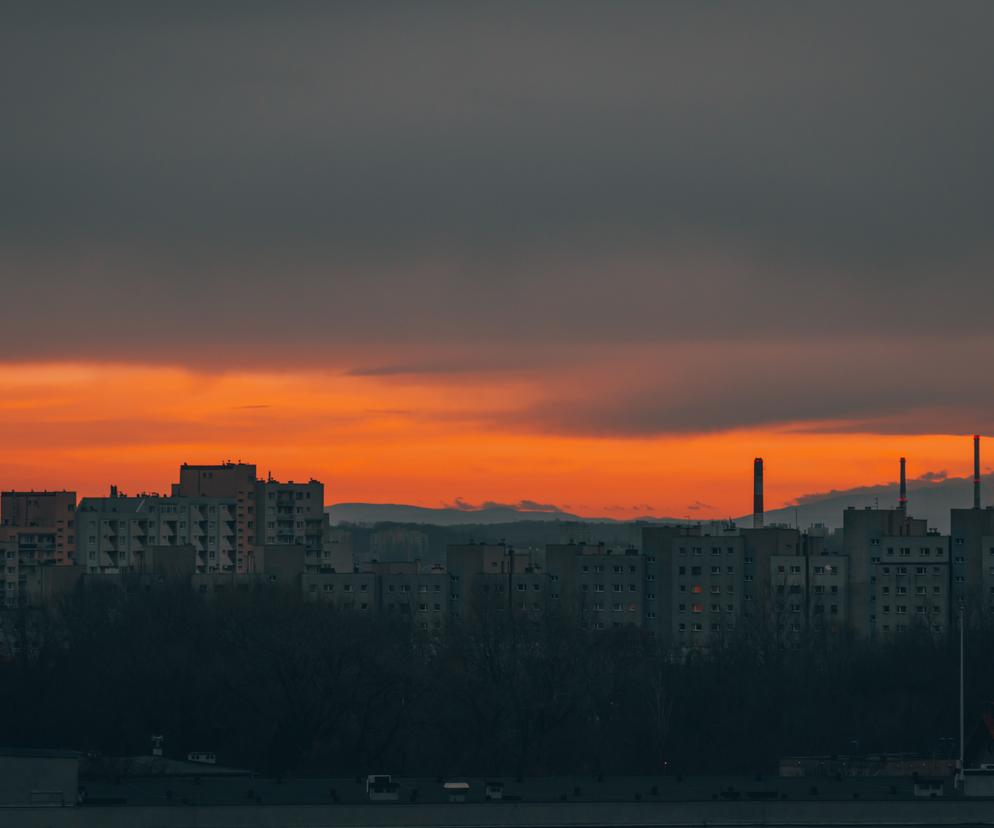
(279, 686)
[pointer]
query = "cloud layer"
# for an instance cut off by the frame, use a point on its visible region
(662, 218)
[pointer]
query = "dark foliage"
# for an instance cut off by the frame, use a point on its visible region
(276, 685)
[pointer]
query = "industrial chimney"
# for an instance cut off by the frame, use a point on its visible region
(902, 500)
(757, 493)
(976, 471)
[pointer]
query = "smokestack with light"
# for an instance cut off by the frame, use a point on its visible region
(757, 493)
(976, 471)
(902, 500)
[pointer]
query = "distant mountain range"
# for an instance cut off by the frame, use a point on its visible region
(930, 497)
(399, 513)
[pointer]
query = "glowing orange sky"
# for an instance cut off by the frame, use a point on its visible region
(425, 442)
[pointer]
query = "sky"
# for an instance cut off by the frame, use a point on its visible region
(595, 256)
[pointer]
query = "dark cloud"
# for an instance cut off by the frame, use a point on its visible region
(347, 184)
(518, 506)
(853, 385)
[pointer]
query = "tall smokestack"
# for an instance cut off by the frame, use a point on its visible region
(757, 493)
(902, 500)
(976, 471)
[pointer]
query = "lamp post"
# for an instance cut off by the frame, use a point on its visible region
(962, 650)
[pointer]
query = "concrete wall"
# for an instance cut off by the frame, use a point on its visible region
(27, 778)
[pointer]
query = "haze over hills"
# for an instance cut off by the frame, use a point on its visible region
(930, 496)
(449, 516)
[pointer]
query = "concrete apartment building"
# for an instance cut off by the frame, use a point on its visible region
(972, 562)
(43, 523)
(345, 590)
(910, 584)
(234, 482)
(602, 587)
(706, 583)
(37, 532)
(415, 592)
(657, 551)
(266, 511)
(336, 554)
(290, 513)
(480, 575)
(115, 533)
(864, 531)
(810, 595)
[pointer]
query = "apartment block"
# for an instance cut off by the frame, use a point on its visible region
(864, 531)
(972, 533)
(116, 533)
(600, 586)
(345, 590)
(480, 575)
(413, 592)
(809, 595)
(337, 553)
(707, 579)
(235, 482)
(43, 524)
(910, 584)
(290, 513)
(657, 550)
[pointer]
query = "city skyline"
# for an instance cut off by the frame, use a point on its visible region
(370, 456)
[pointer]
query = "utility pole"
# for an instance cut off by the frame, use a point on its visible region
(962, 650)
